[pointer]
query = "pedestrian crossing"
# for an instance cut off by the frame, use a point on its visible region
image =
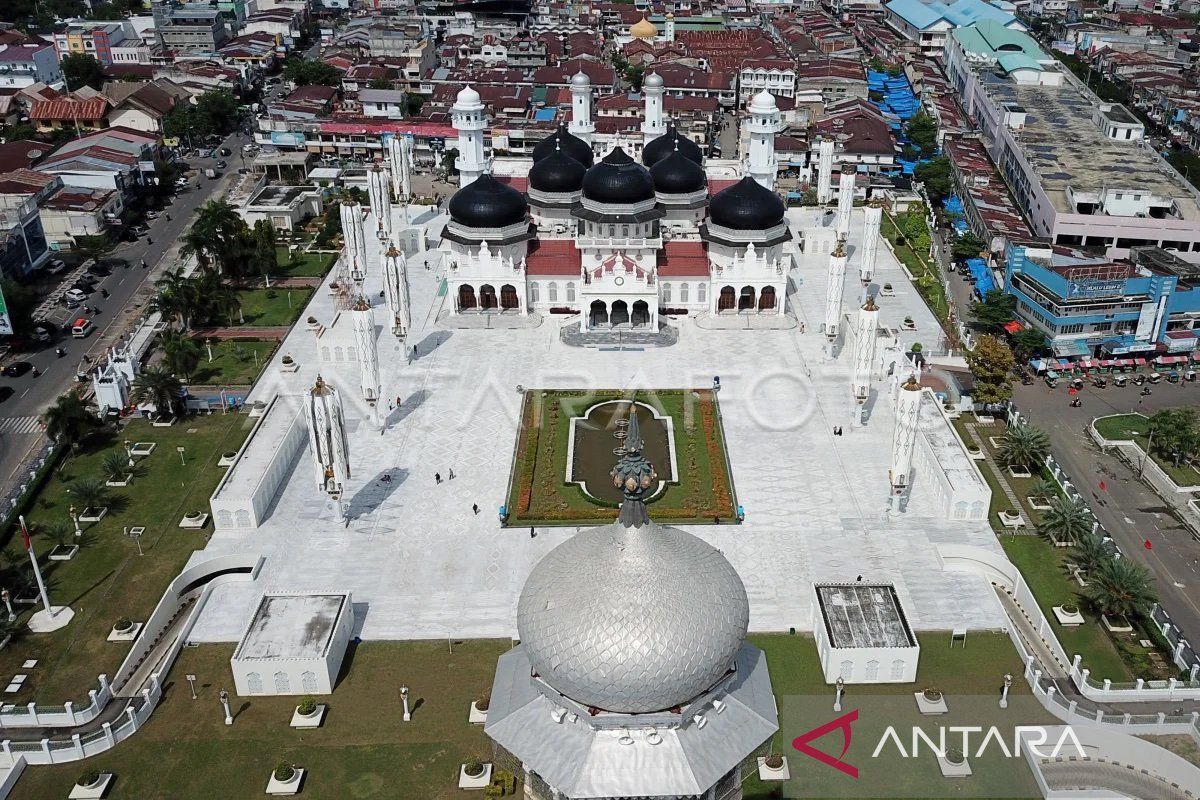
(20, 425)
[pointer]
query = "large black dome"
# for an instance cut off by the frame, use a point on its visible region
(618, 179)
(746, 206)
(677, 174)
(487, 203)
(569, 143)
(557, 172)
(668, 143)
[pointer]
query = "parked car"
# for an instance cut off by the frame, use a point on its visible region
(16, 369)
(151, 214)
(56, 266)
(75, 294)
(222, 165)
(114, 263)
(139, 230)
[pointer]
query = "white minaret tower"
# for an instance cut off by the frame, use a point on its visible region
(395, 290)
(469, 120)
(872, 219)
(669, 32)
(355, 247)
(581, 107)
(764, 124)
(824, 170)
(327, 437)
(864, 350)
(381, 200)
(363, 317)
(833, 294)
(653, 125)
(400, 164)
(904, 442)
(845, 200)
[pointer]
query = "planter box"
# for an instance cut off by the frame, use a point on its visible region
(285, 787)
(476, 717)
(229, 461)
(312, 720)
(143, 448)
(950, 770)
(985, 419)
(194, 523)
(162, 423)
(977, 454)
(289, 368)
(930, 707)
(908, 326)
(996, 442)
(128, 480)
(93, 792)
(1068, 619)
(125, 636)
(1038, 503)
(93, 514)
(1078, 574)
(767, 774)
(64, 552)
(257, 409)
(1118, 625)
(480, 781)
(1019, 472)
(1010, 520)
(887, 291)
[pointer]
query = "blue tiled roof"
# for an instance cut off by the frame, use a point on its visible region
(959, 13)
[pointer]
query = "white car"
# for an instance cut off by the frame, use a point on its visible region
(75, 296)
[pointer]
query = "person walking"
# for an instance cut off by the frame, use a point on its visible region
(475, 508)
(437, 476)
(451, 474)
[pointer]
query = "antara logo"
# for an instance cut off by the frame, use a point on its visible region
(842, 723)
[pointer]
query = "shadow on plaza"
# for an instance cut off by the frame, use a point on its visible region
(375, 492)
(432, 342)
(400, 412)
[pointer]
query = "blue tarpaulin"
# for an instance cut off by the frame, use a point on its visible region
(982, 275)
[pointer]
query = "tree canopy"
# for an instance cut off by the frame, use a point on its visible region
(968, 245)
(1028, 343)
(310, 72)
(82, 69)
(922, 132)
(991, 362)
(936, 175)
(213, 113)
(1175, 434)
(996, 308)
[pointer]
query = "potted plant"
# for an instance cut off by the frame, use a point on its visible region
(1069, 608)
(229, 454)
(483, 701)
(307, 707)
(284, 772)
(909, 321)
(473, 768)
(932, 695)
(917, 347)
(288, 361)
(90, 779)
(123, 625)
(773, 761)
(955, 756)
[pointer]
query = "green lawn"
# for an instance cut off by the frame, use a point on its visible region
(107, 579)
(234, 363)
(363, 750)
(1137, 428)
(268, 308)
(311, 265)
(927, 281)
(539, 495)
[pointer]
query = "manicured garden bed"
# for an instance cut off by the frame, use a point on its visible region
(1137, 428)
(235, 363)
(268, 308)
(305, 265)
(539, 494)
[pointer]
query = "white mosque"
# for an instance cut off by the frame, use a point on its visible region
(614, 239)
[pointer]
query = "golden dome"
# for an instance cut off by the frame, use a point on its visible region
(643, 30)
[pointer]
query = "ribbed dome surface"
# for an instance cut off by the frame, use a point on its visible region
(677, 174)
(633, 620)
(487, 203)
(746, 206)
(668, 143)
(569, 143)
(618, 179)
(557, 172)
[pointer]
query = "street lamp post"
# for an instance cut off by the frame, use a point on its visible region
(1008, 679)
(404, 700)
(191, 679)
(129, 454)
(7, 597)
(837, 700)
(224, 696)
(75, 520)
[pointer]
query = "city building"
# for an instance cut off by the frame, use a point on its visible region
(114, 158)
(142, 106)
(74, 211)
(110, 42)
(82, 110)
(1080, 170)
(23, 245)
(189, 27)
(28, 63)
(294, 644)
(928, 23)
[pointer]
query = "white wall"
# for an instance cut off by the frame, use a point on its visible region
(243, 496)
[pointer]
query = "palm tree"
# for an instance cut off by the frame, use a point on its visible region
(1091, 552)
(178, 297)
(57, 532)
(89, 492)
(219, 236)
(70, 420)
(1024, 446)
(115, 467)
(1065, 521)
(1044, 488)
(158, 387)
(181, 353)
(1122, 588)
(266, 257)
(220, 301)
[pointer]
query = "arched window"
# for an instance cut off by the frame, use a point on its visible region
(552, 290)
(702, 292)
(666, 292)
(537, 291)
(254, 684)
(847, 670)
(571, 291)
(683, 292)
(282, 684)
(308, 682)
(898, 669)
(872, 670)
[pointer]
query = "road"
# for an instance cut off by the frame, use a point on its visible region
(127, 288)
(1128, 509)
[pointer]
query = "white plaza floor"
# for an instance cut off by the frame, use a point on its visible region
(420, 564)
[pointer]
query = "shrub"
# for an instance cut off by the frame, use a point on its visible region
(932, 695)
(774, 761)
(917, 347)
(483, 701)
(284, 771)
(473, 768)
(88, 778)
(271, 294)
(1069, 608)
(308, 705)
(123, 624)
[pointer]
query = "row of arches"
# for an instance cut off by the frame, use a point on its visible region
(487, 298)
(746, 300)
(620, 313)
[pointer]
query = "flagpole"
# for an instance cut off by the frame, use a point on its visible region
(37, 572)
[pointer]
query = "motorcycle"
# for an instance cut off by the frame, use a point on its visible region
(104, 292)
(1076, 403)
(60, 352)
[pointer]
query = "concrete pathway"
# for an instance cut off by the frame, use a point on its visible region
(997, 470)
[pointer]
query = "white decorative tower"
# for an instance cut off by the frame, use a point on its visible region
(469, 120)
(669, 32)
(845, 204)
(864, 350)
(833, 295)
(381, 200)
(363, 317)
(327, 437)
(653, 125)
(824, 170)
(395, 290)
(581, 107)
(400, 165)
(764, 124)
(904, 443)
(872, 219)
(355, 244)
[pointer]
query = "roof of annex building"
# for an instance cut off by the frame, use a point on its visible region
(863, 615)
(291, 626)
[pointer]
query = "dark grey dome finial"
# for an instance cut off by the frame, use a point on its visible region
(634, 475)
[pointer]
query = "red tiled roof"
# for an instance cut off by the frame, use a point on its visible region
(68, 109)
(717, 184)
(679, 259)
(518, 182)
(553, 257)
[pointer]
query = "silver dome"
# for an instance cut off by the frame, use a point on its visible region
(632, 620)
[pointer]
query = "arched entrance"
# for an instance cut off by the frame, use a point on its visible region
(746, 299)
(466, 297)
(766, 300)
(727, 300)
(641, 313)
(620, 313)
(487, 296)
(598, 313)
(508, 296)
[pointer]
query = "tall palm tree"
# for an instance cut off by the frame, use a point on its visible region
(181, 353)
(219, 237)
(1065, 521)
(70, 420)
(1091, 552)
(1120, 587)
(266, 257)
(89, 492)
(178, 297)
(1024, 446)
(158, 387)
(220, 301)
(1044, 488)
